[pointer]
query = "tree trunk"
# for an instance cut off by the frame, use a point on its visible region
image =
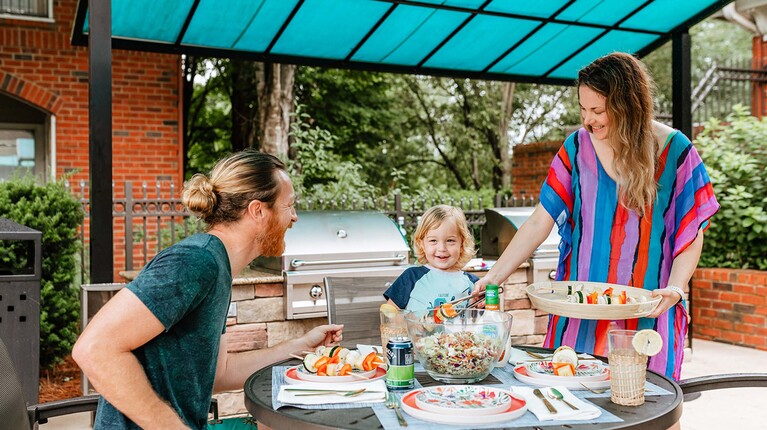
(275, 105)
(503, 133)
(244, 109)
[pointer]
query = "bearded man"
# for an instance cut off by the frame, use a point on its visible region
(158, 349)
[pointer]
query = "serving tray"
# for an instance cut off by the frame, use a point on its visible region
(551, 297)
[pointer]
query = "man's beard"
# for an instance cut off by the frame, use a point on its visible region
(273, 240)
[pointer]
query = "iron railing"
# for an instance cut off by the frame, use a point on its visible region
(724, 85)
(156, 218)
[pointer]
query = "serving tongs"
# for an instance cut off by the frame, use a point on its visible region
(481, 297)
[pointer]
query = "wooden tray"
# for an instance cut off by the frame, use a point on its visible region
(551, 297)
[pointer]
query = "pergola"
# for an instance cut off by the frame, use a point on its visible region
(534, 41)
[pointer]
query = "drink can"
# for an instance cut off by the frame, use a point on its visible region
(401, 372)
(492, 301)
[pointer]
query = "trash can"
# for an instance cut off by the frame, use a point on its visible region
(20, 273)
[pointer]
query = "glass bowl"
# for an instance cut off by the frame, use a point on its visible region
(461, 350)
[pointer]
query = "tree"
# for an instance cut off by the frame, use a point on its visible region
(275, 106)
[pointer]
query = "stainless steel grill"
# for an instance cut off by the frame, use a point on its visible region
(334, 243)
(501, 224)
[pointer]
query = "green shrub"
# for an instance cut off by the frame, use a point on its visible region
(51, 210)
(735, 155)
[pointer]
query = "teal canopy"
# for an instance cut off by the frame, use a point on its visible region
(544, 41)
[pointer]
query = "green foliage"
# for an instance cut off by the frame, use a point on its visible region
(209, 125)
(318, 171)
(52, 210)
(735, 155)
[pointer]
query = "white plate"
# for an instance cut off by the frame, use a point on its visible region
(517, 408)
(520, 372)
(551, 297)
(463, 399)
(586, 371)
(294, 375)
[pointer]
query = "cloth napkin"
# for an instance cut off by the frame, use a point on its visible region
(586, 411)
(289, 397)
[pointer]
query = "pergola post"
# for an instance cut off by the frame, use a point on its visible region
(100, 140)
(681, 94)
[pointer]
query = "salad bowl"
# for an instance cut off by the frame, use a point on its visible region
(461, 350)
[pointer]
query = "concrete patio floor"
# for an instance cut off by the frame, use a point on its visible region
(742, 408)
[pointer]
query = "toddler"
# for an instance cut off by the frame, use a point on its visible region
(443, 244)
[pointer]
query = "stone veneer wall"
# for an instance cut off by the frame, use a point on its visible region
(260, 322)
(730, 306)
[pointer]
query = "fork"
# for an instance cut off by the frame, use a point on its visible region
(352, 393)
(393, 403)
(595, 390)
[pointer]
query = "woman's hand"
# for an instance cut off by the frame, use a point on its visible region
(669, 299)
(479, 287)
(329, 334)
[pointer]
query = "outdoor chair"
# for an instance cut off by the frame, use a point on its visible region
(694, 386)
(354, 302)
(15, 414)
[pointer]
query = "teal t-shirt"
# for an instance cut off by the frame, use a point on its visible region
(424, 287)
(188, 287)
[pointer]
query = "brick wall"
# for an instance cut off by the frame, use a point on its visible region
(39, 65)
(530, 165)
(730, 306)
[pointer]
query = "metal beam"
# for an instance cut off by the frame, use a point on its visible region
(100, 140)
(681, 82)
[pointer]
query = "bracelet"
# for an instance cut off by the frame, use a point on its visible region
(677, 290)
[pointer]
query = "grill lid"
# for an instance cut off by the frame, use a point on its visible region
(501, 224)
(327, 239)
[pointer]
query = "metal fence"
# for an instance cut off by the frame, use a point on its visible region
(724, 85)
(147, 219)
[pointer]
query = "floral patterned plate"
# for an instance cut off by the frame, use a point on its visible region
(515, 408)
(586, 371)
(462, 399)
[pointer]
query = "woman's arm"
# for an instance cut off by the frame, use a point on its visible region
(528, 238)
(681, 271)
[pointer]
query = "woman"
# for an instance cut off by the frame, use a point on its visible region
(630, 198)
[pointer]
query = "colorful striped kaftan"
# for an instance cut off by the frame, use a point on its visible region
(602, 241)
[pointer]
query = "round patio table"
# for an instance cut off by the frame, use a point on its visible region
(658, 412)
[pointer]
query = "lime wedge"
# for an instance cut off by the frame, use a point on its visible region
(647, 342)
(389, 310)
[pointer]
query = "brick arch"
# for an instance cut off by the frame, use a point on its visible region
(30, 92)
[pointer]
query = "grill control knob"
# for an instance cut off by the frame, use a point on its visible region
(315, 292)
(341, 234)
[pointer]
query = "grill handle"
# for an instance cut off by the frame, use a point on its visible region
(298, 263)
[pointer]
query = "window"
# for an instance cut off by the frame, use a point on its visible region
(34, 9)
(18, 153)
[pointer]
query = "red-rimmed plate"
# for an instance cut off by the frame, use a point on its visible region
(516, 408)
(585, 371)
(292, 376)
(463, 399)
(520, 372)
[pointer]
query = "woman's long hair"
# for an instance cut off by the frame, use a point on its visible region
(624, 82)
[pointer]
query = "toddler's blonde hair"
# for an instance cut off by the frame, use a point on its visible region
(433, 219)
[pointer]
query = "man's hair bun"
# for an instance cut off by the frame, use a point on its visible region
(199, 196)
